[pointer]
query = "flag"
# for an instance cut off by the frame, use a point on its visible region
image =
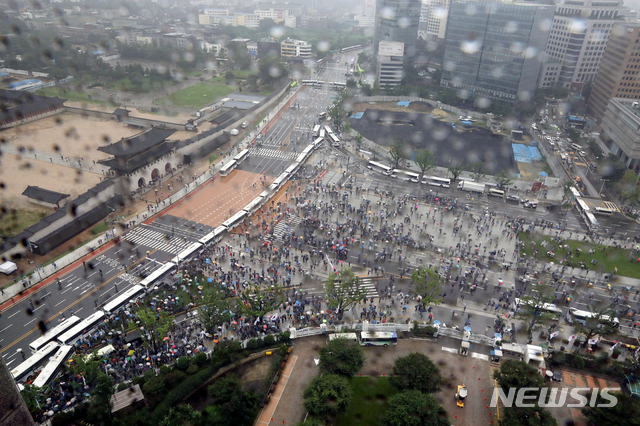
(572, 337)
(593, 341)
(552, 335)
(614, 346)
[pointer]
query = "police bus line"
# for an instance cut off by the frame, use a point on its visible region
(59, 340)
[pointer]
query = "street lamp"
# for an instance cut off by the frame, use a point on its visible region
(33, 262)
(602, 187)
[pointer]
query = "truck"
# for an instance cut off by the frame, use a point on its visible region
(534, 356)
(465, 185)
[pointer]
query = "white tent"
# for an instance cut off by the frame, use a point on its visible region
(8, 268)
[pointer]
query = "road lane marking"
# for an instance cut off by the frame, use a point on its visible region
(13, 315)
(63, 300)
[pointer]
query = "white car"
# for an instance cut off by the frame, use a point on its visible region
(234, 132)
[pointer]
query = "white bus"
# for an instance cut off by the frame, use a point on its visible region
(334, 139)
(53, 366)
(311, 82)
(241, 156)
(496, 192)
(158, 274)
(575, 192)
(602, 211)
(186, 253)
(228, 168)
(582, 317)
(317, 142)
(102, 352)
(81, 328)
(379, 167)
(352, 337)
(350, 48)
(130, 295)
(547, 307)
(410, 176)
(592, 222)
(322, 115)
(327, 129)
(212, 235)
(378, 338)
(437, 181)
(322, 133)
(339, 85)
(235, 220)
(51, 334)
(33, 361)
(316, 130)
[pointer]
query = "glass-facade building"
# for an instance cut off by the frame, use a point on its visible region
(496, 49)
(397, 20)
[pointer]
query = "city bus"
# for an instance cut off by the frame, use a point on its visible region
(328, 129)
(241, 156)
(339, 85)
(317, 142)
(159, 273)
(410, 176)
(437, 181)
(53, 366)
(547, 307)
(322, 133)
(334, 139)
(350, 48)
(130, 295)
(575, 192)
(378, 338)
(592, 222)
(322, 115)
(228, 168)
(576, 315)
(33, 361)
(316, 130)
(602, 211)
(352, 337)
(51, 334)
(81, 328)
(379, 167)
(496, 192)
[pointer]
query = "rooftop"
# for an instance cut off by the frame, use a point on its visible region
(45, 195)
(632, 106)
(138, 143)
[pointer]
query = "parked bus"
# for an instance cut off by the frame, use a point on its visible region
(575, 192)
(322, 115)
(378, 338)
(582, 317)
(410, 176)
(350, 48)
(592, 222)
(317, 142)
(327, 129)
(159, 273)
(496, 192)
(602, 211)
(316, 130)
(33, 361)
(228, 168)
(334, 139)
(437, 181)
(339, 85)
(81, 328)
(127, 296)
(53, 367)
(547, 307)
(51, 334)
(310, 82)
(378, 167)
(241, 156)
(322, 133)
(352, 337)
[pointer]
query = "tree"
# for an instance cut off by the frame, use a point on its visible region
(414, 408)
(336, 113)
(351, 83)
(228, 76)
(503, 181)
(270, 70)
(456, 171)
(397, 153)
(531, 305)
(566, 188)
(425, 161)
(597, 324)
(257, 301)
(215, 310)
(347, 127)
(416, 371)
(344, 290)
(231, 405)
(517, 374)
(154, 327)
(327, 395)
(527, 416)
(100, 408)
(182, 415)
(428, 285)
(341, 357)
(478, 171)
(359, 139)
(621, 414)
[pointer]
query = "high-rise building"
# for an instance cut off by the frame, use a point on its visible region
(295, 48)
(618, 72)
(620, 130)
(397, 20)
(577, 41)
(495, 49)
(437, 18)
(389, 63)
(12, 406)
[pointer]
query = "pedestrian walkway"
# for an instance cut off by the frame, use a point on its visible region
(58, 159)
(266, 416)
(264, 152)
(284, 227)
(147, 237)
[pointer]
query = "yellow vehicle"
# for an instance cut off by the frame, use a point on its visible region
(461, 395)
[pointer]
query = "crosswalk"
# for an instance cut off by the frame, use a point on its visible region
(149, 238)
(264, 152)
(612, 206)
(369, 287)
(284, 226)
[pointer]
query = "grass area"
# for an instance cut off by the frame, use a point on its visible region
(16, 220)
(607, 258)
(370, 395)
(201, 94)
(212, 158)
(194, 73)
(218, 80)
(243, 73)
(70, 95)
(147, 85)
(100, 228)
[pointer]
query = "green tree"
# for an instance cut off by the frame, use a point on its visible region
(414, 408)
(425, 161)
(214, 310)
(478, 171)
(517, 374)
(531, 416)
(229, 76)
(503, 180)
(327, 395)
(351, 83)
(397, 153)
(342, 357)
(625, 412)
(258, 301)
(416, 371)
(100, 406)
(428, 285)
(632, 196)
(271, 71)
(597, 324)
(531, 305)
(155, 327)
(337, 114)
(182, 415)
(566, 188)
(456, 171)
(359, 139)
(344, 290)
(231, 405)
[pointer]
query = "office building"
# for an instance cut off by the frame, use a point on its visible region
(577, 41)
(389, 63)
(495, 49)
(290, 48)
(618, 72)
(278, 15)
(436, 18)
(620, 131)
(397, 20)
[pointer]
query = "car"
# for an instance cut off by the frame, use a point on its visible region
(524, 200)
(530, 205)
(414, 180)
(245, 125)
(557, 376)
(513, 198)
(234, 132)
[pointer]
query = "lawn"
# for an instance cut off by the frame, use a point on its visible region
(370, 395)
(16, 220)
(147, 85)
(607, 258)
(199, 95)
(70, 95)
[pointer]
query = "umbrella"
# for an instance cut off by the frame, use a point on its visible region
(131, 352)
(498, 336)
(467, 328)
